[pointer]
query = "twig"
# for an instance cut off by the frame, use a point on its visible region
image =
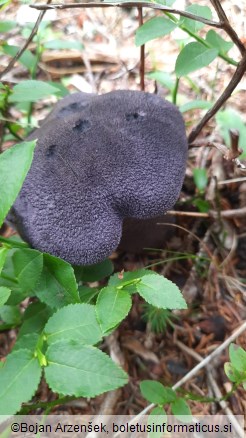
(225, 25)
(142, 50)
(128, 5)
(29, 39)
(236, 78)
(228, 214)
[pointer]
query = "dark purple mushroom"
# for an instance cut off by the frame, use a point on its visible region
(100, 160)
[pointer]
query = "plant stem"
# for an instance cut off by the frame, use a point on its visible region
(45, 405)
(175, 91)
(199, 39)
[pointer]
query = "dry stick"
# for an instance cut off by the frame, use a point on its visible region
(215, 387)
(228, 214)
(22, 50)
(142, 50)
(199, 366)
(128, 5)
(236, 78)
(227, 27)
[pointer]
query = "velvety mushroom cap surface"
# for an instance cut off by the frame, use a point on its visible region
(98, 160)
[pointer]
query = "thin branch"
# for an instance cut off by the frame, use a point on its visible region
(225, 25)
(142, 50)
(127, 5)
(236, 78)
(228, 214)
(29, 39)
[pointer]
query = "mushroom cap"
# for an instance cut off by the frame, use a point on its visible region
(99, 160)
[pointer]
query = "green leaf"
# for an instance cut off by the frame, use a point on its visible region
(124, 279)
(80, 370)
(193, 57)
(181, 410)
(231, 119)
(14, 165)
(31, 91)
(19, 379)
(160, 292)
(28, 265)
(76, 322)
(57, 284)
(64, 45)
(35, 318)
(112, 306)
(232, 374)
(87, 293)
(10, 314)
(28, 342)
(6, 26)
(200, 178)
(154, 28)
(238, 357)
(157, 417)
(163, 78)
(195, 104)
(4, 2)
(200, 11)
(215, 40)
(156, 393)
(4, 295)
(94, 272)
(27, 58)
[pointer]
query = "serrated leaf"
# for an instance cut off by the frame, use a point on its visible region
(4, 295)
(18, 159)
(160, 292)
(57, 285)
(238, 357)
(156, 393)
(94, 272)
(81, 370)
(215, 40)
(87, 293)
(124, 279)
(200, 11)
(28, 265)
(27, 342)
(3, 255)
(181, 410)
(31, 91)
(112, 306)
(35, 318)
(193, 57)
(76, 322)
(157, 417)
(154, 28)
(10, 314)
(19, 379)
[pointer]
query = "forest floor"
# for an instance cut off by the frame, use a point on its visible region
(204, 256)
